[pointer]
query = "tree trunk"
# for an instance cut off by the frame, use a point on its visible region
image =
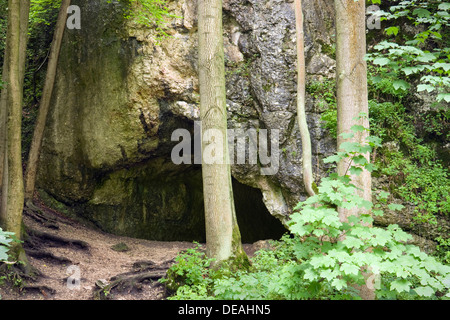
(222, 232)
(301, 98)
(13, 194)
(3, 131)
(33, 157)
(352, 97)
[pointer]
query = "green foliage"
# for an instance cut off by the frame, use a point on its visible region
(324, 93)
(443, 249)
(327, 258)
(189, 271)
(337, 265)
(413, 169)
(42, 12)
(420, 58)
(150, 13)
(5, 242)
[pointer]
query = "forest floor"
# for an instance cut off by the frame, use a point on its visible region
(58, 247)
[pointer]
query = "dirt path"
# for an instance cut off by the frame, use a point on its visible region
(92, 256)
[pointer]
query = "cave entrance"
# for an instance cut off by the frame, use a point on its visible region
(254, 220)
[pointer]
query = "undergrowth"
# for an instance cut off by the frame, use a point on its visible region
(324, 257)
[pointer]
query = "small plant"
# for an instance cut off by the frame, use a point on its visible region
(5, 242)
(324, 93)
(443, 249)
(190, 270)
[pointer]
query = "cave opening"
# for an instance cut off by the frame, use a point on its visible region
(254, 219)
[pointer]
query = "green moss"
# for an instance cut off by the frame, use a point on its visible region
(120, 247)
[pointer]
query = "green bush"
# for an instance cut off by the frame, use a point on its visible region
(5, 242)
(324, 257)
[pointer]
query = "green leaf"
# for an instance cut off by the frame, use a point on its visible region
(410, 70)
(444, 6)
(366, 204)
(443, 96)
(347, 135)
(328, 274)
(370, 167)
(299, 229)
(374, 141)
(332, 220)
(355, 171)
(349, 269)
(445, 66)
(400, 285)
(3, 253)
(310, 275)
(392, 30)
(381, 237)
(383, 195)
(381, 61)
(349, 146)
(424, 86)
(339, 284)
(361, 160)
(401, 84)
(400, 235)
(378, 213)
(357, 128)
(395, 206)
(352, 242)
(318, 232)
(426, 57)
(366, 218)
(424, 291)
(335, 158)
(422, 13)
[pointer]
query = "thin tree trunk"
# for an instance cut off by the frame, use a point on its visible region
(33, 157)
(301, 98)
(3, 132)
(12, 204)
(222, 232)
(23, 40)
(352, 97)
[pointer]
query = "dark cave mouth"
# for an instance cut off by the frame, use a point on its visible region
(254, 219)
(170, 210)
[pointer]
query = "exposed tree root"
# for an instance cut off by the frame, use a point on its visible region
(34, 212)
(41, 254)
(47, 292)
(36, 238)
(133, 280)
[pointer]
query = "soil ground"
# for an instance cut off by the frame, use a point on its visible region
(90, 253)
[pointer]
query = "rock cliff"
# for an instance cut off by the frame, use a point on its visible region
(119, 96)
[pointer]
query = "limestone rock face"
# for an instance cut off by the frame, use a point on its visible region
(120, 95)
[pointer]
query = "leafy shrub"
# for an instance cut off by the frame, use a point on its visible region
(189, 271)
(326, 258)
(5, 241)
(324, 94)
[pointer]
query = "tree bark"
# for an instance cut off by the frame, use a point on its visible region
(3, 131)
(301, 98)
(12, 180)
(352, 96)
(222, 232)
(3, 126)
(33, 157)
